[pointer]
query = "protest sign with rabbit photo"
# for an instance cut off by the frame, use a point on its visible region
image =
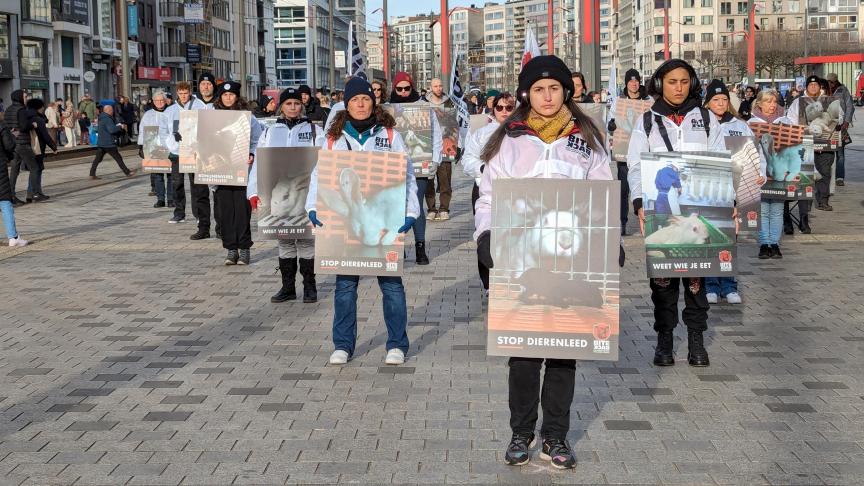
(155, 151)
(688, 199)
(283, 184)
(790, 166)
(223, 159)
(554, 290)
(361, 201)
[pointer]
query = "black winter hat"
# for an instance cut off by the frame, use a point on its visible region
(544, 67)
(228, 87)
(305, 89)
(288, 94)
(207, 77)
(714, 88)
(357, 86)
(632, 74)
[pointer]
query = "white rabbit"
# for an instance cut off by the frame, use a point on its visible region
(681, 231)
(372, 220)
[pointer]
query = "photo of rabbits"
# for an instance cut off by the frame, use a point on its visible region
(745, 177)
(361, 201)
(188, 130)
(627, 113)
(554, 289)
(688, 198)
(223, 157)
(821, 116)
(414, 123)
(788, 152)
(446, 115)
(283, 184)
(155, 152)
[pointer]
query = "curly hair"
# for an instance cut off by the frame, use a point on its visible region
(383, 118)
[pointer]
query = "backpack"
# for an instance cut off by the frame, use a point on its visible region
(646, 119)
(7, 142)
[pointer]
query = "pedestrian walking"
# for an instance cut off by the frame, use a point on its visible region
(837, 89)
(162, 119)
(234, 210)
(200, 193)
(21, 122)
(292, 129)
(444, 174)
(69, 120)
(108, 129)
(40, 138)
(677, 122)
(366, 126)
(548, 124)
(473, 166)
(8, 145)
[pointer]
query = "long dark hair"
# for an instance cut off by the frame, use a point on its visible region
(239, 105)
(592, 135)
(383, 118)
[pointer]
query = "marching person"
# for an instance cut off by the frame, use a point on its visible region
(766, 109)
(473, 165)
(201, 195)
(292, 129)
(235, 212)
(437, 98)
(366, 126)
(548, 124)
(405, 92)
(677, 122)
(108, 130)
(717, 101)
(160, 117)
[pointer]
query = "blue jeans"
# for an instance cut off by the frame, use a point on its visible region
(841, 163)
(722, 286)
(9, 219)
(161, 189)
(771, 228)
(345, 313)
(420, 225)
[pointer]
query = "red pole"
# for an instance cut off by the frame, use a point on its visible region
(386, 45)
(445, 42)
(550, 29)
(751, 42)
(666, 54)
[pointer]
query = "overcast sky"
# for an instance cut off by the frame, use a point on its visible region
(396, 8)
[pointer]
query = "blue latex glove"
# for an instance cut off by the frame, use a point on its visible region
(409, 223)
(313, 217)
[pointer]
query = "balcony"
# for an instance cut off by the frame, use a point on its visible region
(171, 12)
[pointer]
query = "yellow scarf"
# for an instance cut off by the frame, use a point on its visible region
(551, 129)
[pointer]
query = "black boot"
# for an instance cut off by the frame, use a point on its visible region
(663, 354)
(420, 248)
(696, 353)
(310, 291)
(288, 269)
(805, 225)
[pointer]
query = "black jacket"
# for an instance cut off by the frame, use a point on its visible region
(19, 119)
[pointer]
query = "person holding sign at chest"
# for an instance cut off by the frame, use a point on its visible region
(547, 137)
(675, 123)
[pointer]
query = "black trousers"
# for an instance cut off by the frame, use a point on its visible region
(234, 217)
(625, 193)
(25, 156)
(665, 299)
(114, 153)
(481, 268)
(823, 161)
(555, 396)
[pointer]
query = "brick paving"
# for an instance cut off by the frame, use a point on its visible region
(130, 355)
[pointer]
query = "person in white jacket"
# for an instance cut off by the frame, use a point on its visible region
(185, 101)
(547, 137)
(292, 129)
(503, 106)
(675, 123)
(158, 116)
(365, 126)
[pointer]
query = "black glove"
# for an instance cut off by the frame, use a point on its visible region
(621, 256)
(177, 137)
(611, 127)
(484, 254)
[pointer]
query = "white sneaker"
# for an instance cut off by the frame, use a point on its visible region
(339, 357)
(733, 298)
(712, 297)
(18, 241)
(395, 357)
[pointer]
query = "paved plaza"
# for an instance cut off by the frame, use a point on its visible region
(130, 355)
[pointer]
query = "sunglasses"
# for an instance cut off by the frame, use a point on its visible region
(507, 108)
(402, 89)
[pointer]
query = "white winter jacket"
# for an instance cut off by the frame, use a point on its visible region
(690, 136)
(525, 156)
(304, 134)
(471, 163)
(379, 142)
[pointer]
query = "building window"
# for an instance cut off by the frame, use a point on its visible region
(32, 58)
(38, 10)
(67, 52)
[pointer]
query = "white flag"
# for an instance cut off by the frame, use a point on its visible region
(358, 64)
(532, 48)
(457, 96)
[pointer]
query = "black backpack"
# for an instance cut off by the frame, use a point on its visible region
(706, 119)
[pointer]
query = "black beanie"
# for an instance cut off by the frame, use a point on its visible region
(228, 87)
(632, 74)
(288, 94)
(544, 67)
(207, 77)
(358, 86)
(714, 88)
(304, 89)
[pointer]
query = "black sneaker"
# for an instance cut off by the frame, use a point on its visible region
(232, 257)
(518, 451)
(764, 252)
(775, 252)
(559, 453)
